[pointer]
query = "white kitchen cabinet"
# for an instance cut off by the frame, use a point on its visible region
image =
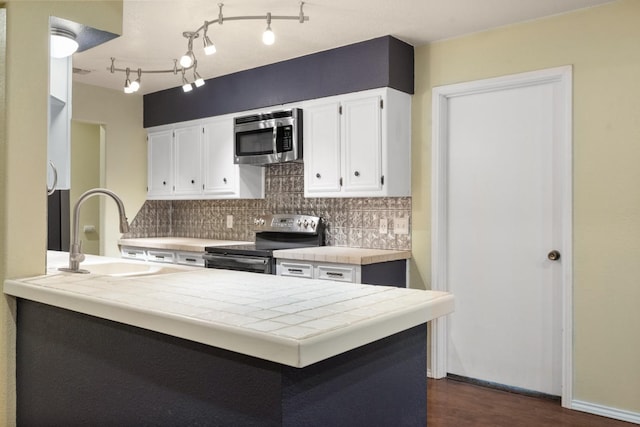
(188, 160)
(222, 177)
(349, 273)
(163, 256)
(195, 161)
(358, 145)
(160, 164)
(321, 139)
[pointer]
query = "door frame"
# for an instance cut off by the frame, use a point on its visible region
(439, 190)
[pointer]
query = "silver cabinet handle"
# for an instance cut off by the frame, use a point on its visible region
(52, 190)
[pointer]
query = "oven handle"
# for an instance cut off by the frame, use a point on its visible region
(238, 259)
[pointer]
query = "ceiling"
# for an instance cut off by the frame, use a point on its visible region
(152, 31)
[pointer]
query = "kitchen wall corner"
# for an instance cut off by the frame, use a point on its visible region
(352, 222)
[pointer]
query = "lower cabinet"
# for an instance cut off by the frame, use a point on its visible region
(164, 256)
(391, 273)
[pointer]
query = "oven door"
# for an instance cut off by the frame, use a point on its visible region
(254, 264)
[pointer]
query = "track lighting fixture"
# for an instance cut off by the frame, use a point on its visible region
(188, 60)
(62, 43)
(268, 37)
(132, 86)
(209, 47)
(197, 79)
(186, 86)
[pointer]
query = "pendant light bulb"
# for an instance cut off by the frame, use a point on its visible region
(127, 84)
(186, 86)
(135, 85)
(209, 47)
(187, 59)
(62, 43)
(268, 37)
(197, 79)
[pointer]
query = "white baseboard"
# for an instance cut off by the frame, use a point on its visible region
(606, 411)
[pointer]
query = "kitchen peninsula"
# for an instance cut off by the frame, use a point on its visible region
(218, 347)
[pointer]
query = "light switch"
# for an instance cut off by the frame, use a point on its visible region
(401, 226)
(229, 221)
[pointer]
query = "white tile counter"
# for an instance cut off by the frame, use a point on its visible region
(292, 321)
(176, 243)
(342, 255)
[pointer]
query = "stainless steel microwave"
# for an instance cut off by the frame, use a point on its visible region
(271, 137)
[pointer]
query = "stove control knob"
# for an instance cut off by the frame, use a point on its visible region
(255, 221)
(305, 223)
(261, 221)
(299, 223)
(313, 224)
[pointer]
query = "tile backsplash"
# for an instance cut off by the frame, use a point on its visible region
(349, 221)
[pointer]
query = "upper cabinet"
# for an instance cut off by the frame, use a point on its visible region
(358, 145)
(195, 161)
(59, 142)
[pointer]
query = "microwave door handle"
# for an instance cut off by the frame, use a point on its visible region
(275, 141)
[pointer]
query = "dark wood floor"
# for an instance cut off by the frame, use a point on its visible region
(457, 404)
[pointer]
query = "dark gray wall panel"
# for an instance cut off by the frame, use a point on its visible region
(381, 62)
(79, 370)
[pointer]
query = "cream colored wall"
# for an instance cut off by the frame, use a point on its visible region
(85, 174)
(23, 164)
(602, 45)
(125, 150)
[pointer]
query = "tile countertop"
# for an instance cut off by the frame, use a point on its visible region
(177, 243)
(342, 255)
(292, 321)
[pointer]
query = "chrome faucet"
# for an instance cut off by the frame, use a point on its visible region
(75, 252)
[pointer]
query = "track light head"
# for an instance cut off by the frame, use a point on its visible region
(186, 86)
(268, 37)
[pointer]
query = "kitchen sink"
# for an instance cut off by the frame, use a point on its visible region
(125, 269)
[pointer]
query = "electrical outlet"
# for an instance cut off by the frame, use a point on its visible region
(384, 226)
(229, 221)
(401, 226)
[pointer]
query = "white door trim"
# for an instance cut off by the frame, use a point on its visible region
(439, 165)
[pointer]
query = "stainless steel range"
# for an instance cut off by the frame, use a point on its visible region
(277, 231)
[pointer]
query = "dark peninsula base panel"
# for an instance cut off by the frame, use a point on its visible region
(74, 369)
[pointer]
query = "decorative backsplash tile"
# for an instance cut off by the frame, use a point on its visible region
(349, 221)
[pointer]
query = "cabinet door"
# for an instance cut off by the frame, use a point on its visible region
(160, 167)
(188, 160)
(220, 173)
(362, 144)
(322, 148)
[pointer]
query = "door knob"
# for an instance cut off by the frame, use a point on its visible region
(554, 255)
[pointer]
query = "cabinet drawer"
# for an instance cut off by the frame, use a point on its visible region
(133, 253)
(340, 274)
(160, 256)
(190, 258)
(295, 269)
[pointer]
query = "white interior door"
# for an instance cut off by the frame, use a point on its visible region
(502, 201)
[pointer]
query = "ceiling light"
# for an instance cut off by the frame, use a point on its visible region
(209, 47)
(62, 43)
(268, 37)
(197, 79)
(135, 85)
(186, 86)
(127, 84)
(188, 60)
